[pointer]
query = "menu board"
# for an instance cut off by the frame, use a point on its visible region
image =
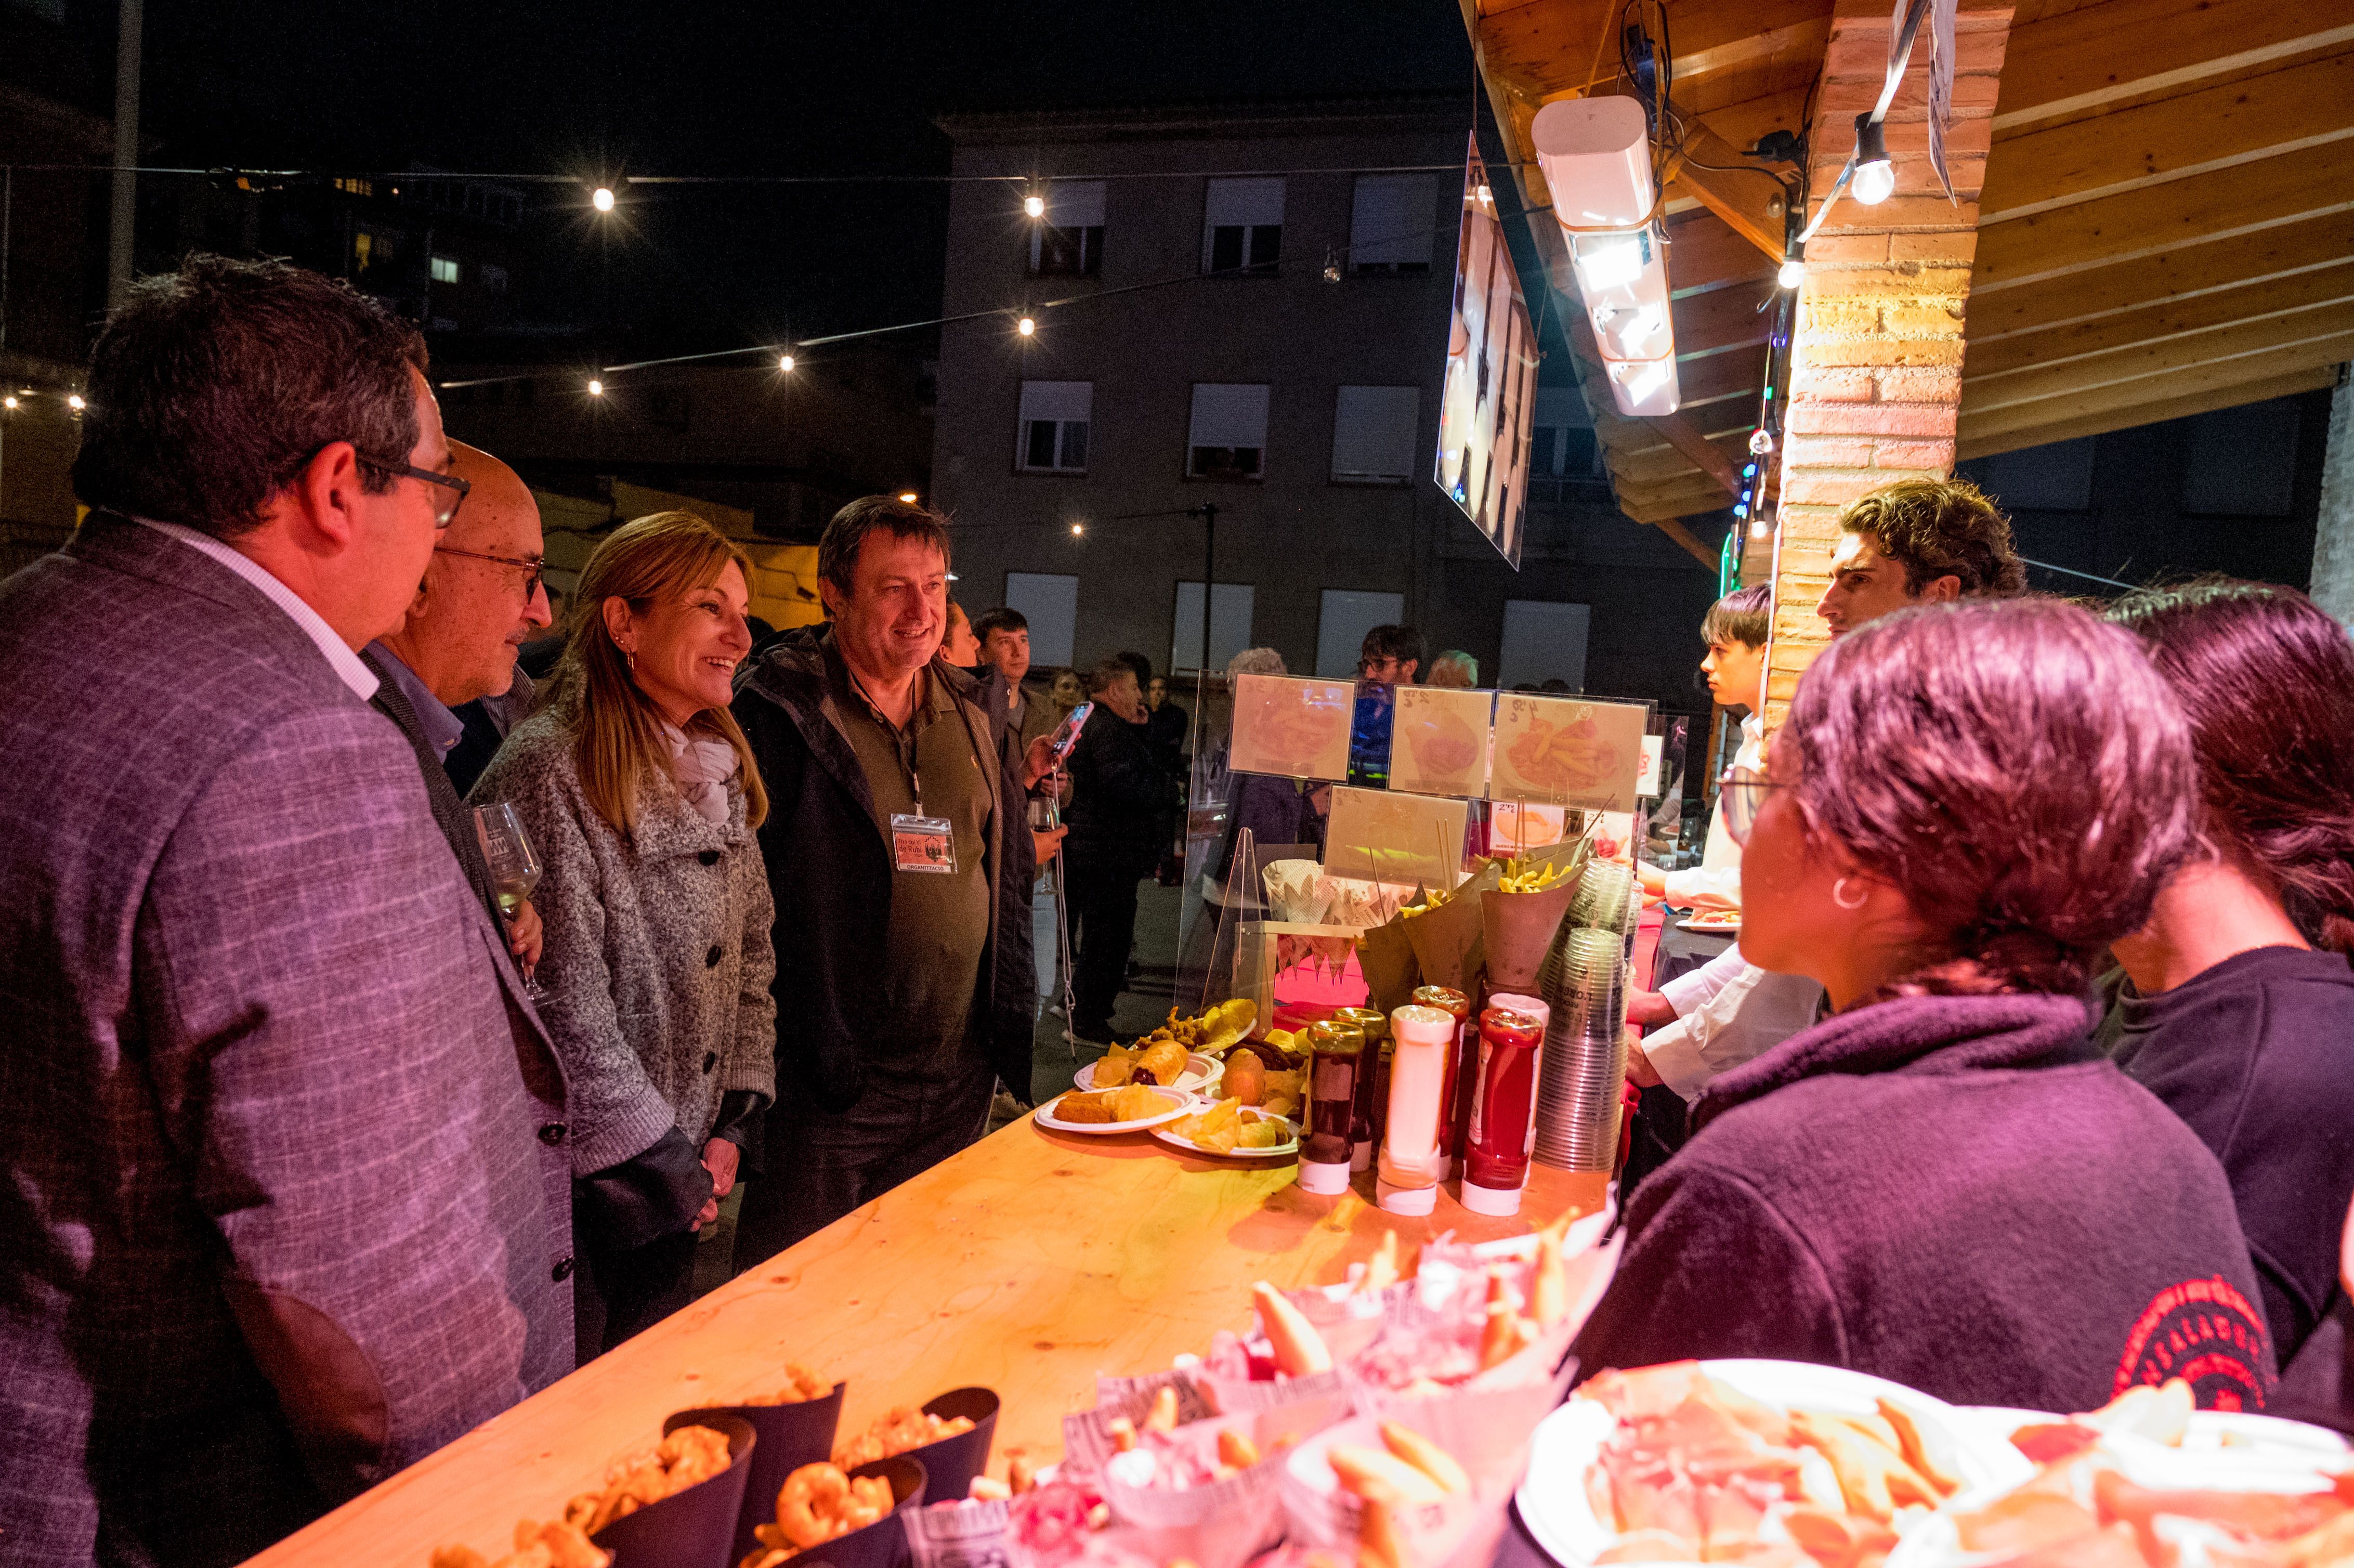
(1567, 751)
(1438, 741)
(1294, 727)
(1396, 839)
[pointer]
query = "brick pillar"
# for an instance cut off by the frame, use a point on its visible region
(2333, 537)
(1876, 357)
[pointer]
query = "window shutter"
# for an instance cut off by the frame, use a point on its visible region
(1228, 414)
(1075, 204)
(1244, 201)
(1056, 399)
(1391, 220)
(1374, 432)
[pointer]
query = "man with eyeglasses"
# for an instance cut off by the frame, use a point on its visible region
(290, 1197)
(481, 599)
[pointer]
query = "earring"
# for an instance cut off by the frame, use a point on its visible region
(1839, 896)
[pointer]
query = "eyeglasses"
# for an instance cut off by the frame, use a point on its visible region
(1740, 796)
(461, 488)
(533, 566)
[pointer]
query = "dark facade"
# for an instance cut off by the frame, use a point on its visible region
(1247, 306)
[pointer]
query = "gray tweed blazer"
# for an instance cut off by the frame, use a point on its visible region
(656, 957)
(283, 1205)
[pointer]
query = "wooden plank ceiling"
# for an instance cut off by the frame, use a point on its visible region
(2166, 225)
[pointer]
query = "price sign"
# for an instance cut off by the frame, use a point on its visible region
(1567, 751)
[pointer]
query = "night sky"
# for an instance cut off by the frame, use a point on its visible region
(603, 88)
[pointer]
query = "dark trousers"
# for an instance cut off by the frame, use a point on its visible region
(1102, 896)
(620, 1292)
(818, 1167)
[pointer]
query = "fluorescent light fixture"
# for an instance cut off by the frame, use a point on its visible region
(1610, 262)
(1641, 382)
(1596, 157)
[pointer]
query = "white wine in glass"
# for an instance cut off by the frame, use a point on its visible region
(513, 866)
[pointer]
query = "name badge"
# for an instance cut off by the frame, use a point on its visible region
(924, 843)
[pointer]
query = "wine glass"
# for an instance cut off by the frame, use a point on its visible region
(513, 866)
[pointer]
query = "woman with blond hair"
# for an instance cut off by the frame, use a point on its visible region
(639, 792)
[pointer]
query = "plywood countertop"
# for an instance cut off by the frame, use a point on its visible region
(1028, 1264)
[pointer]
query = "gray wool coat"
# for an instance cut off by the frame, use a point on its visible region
(656, 959)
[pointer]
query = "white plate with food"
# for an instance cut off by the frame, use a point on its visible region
(1200, 1073)
(1840, 1423)
(1721, 921)
(1236, 1120)
(1121, 1109)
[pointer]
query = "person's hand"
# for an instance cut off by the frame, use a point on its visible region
(1038, 761)
(1048, 842)
(1654, 880)
(1640, 1071)
(720, 1157)
(1651, 1008)
(524, 934)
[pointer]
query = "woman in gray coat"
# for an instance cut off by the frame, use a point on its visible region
(636, 787)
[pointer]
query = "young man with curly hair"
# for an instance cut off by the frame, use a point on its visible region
(1918, 541)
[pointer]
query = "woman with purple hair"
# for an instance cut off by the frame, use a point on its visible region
(2238, 1008)
(1943, 1184)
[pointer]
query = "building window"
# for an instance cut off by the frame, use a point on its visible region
(1228, 437)
(371, 250)
(1230, 625)
(357, 187)
(1053, 435)
(1390, 226)
(1543, 641)
(1343, 616)
(445, 268)
(494, 278)
(1374, 434)
(1242, 225)
(1049, 601)
(1068, 241)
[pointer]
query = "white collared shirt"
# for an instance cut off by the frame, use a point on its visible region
(345, 664)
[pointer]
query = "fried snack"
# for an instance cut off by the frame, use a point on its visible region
(1161, 1062)
(1381, 1268)
(1020, 1472)
(1264, 1133)
(1425, 1455)
(1503, 1336)
(1246, 1079)
(1084, 1108)
(818, 1503)
(1284, 1093)
(684, 1457)
(1874, 1481)
(895, 1433)
(1217, 1128)
(985, 1490)
(1122, 1433)
(1518, 878)
(1380, 1477)
(1549, 1283)
(1162, 1416)
(551, 1545)
(1136, 1102)
(801, 1385)
(1928, 1452)
(1379, 1544)
(1235, 1450)
(1115, 1067)
(1299, 1349)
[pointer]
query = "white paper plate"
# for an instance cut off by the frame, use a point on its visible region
(1281, 1151)
(1200, 1073)
(1178, 1101)
(2233, 1433)
(1693, 923)
(1552, 1498)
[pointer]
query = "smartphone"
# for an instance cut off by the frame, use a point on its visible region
(1067, 736)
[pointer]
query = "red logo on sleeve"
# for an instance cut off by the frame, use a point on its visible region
(2207, 1333)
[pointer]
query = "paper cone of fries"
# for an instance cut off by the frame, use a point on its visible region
(1447, 940)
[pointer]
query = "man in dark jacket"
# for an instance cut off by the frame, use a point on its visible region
(898, 849)
(1121, 795)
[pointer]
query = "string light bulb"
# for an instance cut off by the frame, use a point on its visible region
(73, 401)
(1034, 206)
(1875, 177)
(786, 363)
(596, 388)
(9, 402)
(908, 496)
(602, 199)
(1025, 326)
(1792, 272)
(1077, 529)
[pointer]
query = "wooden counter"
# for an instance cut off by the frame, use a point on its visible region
(1027, 1264)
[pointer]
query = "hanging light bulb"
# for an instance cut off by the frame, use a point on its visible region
(1025, 326)
(596, 388)
(1077, 529)
(73, 401)
(1034, 206)
(9, 402)
(908, 496)
(1875, 177)
(786, 363)
(1792, 272)
(1760, 441)
(602, 199)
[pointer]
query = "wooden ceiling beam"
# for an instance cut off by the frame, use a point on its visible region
(1730, 185)
(2099, 54)
(1671, 461)
(2297, 107)
(2165, 402)
(1674, 527)
(2183, 273)
(2092, 373)
(1726, 318)
(2022, 352)
(1704, 254)
(2224, 203)
(2248, 364)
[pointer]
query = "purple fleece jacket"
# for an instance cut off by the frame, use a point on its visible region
(1955, 1192)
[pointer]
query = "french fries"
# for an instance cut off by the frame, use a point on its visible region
(1299, 1349)
(1406, 1444)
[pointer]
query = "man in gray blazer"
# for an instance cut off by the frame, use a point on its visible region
(283, 1199)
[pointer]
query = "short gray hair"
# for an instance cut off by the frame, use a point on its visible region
(1456, 658)
(1255, 661)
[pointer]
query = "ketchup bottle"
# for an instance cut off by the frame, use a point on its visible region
(1373, 1083)
(1504, 1105)
(1336, 1055)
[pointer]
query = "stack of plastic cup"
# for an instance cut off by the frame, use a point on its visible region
(1584, 1062)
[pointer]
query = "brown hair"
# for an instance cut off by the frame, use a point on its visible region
(212, 386)
(1744, 616)
(1941, 528)
(2266, 678)
(1107, 672)
(617, 733)
(2016, 770)
(837, 549)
